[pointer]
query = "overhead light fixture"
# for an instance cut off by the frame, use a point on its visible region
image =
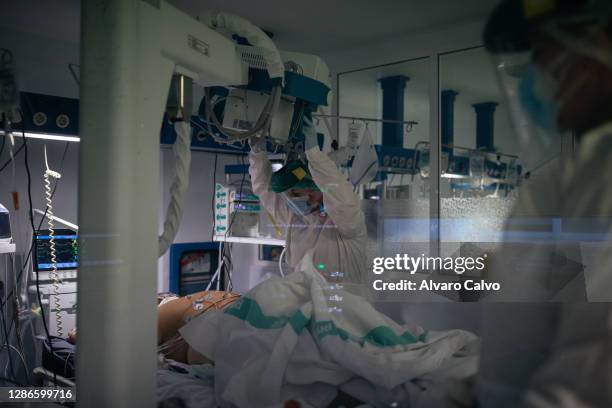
(45, 136)
(453, 176)
(56, 219)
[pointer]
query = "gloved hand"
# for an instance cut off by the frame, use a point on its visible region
(310, 134)
(257, 143)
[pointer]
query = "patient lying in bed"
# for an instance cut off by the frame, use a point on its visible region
(174, 312)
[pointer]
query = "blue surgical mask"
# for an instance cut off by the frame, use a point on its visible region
(300, 205)
(536, 93)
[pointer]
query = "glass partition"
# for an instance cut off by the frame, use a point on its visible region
(482, 162)
(396, 202)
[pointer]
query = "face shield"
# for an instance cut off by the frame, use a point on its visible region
(529, 92)
(550, 70)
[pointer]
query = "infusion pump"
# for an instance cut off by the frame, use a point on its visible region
(237, 212)
(64, 313)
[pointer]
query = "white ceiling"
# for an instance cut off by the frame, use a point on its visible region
(318, 26)
(308, 26)
(52, 19)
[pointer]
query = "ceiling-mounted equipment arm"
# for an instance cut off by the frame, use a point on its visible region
(197, 50)
(274, 65)
(254, 35)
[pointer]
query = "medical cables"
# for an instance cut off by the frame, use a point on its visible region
(212, 200)
(177, 341)
(34, 246)
(51, 224)
(21, 276)
(178, 189)
(4, 302)
(227, 259)
(223, 259)
(262, 124)
(266, 55)
(5, 335)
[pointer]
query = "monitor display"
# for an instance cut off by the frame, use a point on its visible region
(66, 251)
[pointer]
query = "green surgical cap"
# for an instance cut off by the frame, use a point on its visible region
(292, 175)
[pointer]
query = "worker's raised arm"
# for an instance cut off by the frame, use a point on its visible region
(341, 203)
(260, 170)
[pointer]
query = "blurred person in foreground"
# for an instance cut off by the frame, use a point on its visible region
(554, 63)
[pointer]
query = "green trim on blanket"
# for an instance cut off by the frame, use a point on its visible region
(249, 311)
(381, 336)
(298, 321)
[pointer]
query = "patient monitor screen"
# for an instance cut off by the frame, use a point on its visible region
(65, 250)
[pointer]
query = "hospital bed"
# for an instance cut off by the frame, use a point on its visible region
(193, 385)
(281, 339)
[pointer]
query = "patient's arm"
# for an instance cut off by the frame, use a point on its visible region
(173, 315)
(170, 318)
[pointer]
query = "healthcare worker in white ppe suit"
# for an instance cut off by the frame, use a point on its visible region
(554, 62)
(317, 207)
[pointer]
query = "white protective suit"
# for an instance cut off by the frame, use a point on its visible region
(578, 370)
(552, 354)
(338, 240)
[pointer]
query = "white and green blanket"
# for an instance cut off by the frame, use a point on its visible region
(303, 338)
